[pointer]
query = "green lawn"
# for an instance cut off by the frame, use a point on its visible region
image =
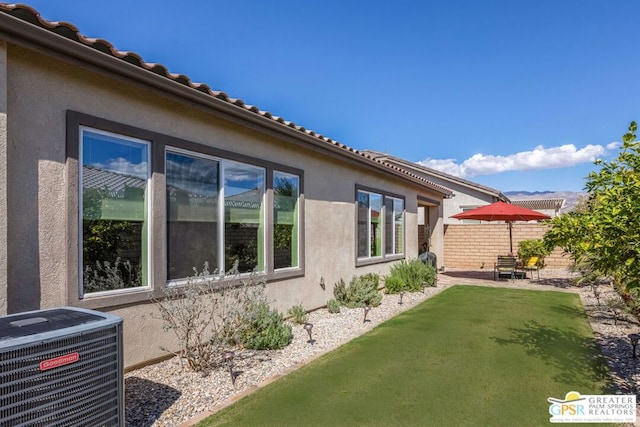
(468, 356)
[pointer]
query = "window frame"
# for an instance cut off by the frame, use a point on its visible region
(384, 257)
(297, 224)
(147, 208)
(157, 256)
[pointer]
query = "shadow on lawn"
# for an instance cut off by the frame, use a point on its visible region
(573, 355)
(146, 400)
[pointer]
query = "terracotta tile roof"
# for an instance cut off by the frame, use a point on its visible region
(71, 32)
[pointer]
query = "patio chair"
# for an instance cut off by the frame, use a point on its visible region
(505, 266)
(532, 265)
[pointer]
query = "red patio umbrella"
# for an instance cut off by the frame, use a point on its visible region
(501, 211)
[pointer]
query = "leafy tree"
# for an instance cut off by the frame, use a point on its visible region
(604, 237)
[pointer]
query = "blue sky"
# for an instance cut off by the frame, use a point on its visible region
(516, 95)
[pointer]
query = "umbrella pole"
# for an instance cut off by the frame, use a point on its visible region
(510, 238)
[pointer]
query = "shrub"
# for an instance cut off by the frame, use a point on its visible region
(333, 306)
(409, 276)
(531, 248)
(206, 313)
(361, 291)
(298, 314)
(393, 284)
(263, 328)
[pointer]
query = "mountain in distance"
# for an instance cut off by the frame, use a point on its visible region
(571, 198)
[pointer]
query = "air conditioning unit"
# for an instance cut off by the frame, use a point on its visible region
(61, 367)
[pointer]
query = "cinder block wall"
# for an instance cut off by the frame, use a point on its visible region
(476, 246)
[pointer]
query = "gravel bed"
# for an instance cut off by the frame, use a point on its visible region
(168, 394)
(611, 332)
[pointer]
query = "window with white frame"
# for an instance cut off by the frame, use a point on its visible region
(200, 190)
(377, 212)
(394, 225)
(192, 187)
(244, 233)
(369, 224)
(114, 211)
(286, 193)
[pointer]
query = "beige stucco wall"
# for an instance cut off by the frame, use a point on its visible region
(40, 241)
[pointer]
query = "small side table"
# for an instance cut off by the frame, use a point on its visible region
(634, 342)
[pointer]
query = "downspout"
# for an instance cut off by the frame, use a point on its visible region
(4, 182)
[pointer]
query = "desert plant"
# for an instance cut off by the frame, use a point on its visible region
(263, 328)
(206, 314)
(333, 306)
(361, 291)
(298, 314)
(409, 276)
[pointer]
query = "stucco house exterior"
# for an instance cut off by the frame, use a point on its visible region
(117, 178)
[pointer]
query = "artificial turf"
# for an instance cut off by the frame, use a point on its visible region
(469, 356)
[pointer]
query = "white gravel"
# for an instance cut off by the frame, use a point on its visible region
(168, 394)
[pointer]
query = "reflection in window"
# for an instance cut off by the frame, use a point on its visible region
(369, 224)
(243, 214)
(192, 214)
(394, 225)
(286, 189)
(114, 176)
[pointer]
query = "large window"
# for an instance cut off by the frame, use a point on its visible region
(192, 214)
(286, 192)
(378, 212)
(114, 210)
(152, 208)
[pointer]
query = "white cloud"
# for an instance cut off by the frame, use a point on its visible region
(539, 158)
(124, 166)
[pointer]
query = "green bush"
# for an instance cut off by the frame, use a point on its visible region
(531, 248)
(393, 284)
(298, 314)
(409, 276)
(264, 329)
(333, 306)
(361, 291)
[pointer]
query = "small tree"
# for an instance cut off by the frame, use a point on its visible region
(604, 238)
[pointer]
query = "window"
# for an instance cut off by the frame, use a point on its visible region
(114, 210)
(192, 214)
(369, 224)
(378, 212)
(286, 192)
(243, 216)
(206, 207)
(394, 226)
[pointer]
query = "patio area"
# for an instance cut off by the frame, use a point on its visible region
(550, 279)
